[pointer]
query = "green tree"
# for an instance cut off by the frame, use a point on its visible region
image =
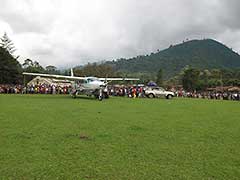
(160, 77)
(51, 69)
(27, 63)
(32, 66)
(190, 79)
(101, 70)
(7, 44)
(10, 69)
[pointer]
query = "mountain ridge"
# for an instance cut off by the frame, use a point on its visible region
(203, 54)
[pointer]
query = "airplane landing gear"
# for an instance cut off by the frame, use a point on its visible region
(101, 94)
(74, 94)
(100, 97)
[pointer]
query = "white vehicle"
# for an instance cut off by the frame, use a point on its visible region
(85, 85)
(152, 92)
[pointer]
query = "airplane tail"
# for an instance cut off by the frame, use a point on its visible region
(72, 75)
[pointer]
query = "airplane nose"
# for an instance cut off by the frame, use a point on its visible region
(103, 84)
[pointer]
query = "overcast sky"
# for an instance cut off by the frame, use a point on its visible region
(65, 33)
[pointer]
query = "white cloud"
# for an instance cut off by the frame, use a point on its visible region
(73, 32)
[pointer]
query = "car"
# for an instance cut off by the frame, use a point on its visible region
(153, 92)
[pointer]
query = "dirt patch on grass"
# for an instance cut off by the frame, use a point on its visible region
(84, 137)
(78, 136)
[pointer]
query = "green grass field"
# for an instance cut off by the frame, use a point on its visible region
(56, 137)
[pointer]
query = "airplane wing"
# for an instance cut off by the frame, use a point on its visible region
(77, 78)
(54, 76)
(118, 79)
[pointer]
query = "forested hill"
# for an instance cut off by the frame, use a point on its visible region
(201, 54)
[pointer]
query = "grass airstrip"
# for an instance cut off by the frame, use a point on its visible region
(56, 137)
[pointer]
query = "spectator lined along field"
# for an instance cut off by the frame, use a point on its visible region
(11, 89)
(210, 95)
(121, 91)
(34, 89)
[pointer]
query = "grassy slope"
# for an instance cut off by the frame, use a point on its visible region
(120, 138)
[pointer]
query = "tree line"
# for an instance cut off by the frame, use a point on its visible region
(194, 79)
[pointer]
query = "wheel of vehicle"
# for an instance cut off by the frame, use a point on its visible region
(151, 95)
(169, 96)
(100, 98)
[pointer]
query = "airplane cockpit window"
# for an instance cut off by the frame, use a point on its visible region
(92, 79)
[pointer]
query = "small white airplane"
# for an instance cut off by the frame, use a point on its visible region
(85, 85)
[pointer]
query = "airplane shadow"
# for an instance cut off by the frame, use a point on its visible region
(86, 98)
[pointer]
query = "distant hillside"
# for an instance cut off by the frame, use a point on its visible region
(202, 54)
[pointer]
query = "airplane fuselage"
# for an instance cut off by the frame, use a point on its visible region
(90, 86)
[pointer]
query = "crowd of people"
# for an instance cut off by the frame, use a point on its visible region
(209, 95)
(37, 89)
(11, 89)
(127, 91)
